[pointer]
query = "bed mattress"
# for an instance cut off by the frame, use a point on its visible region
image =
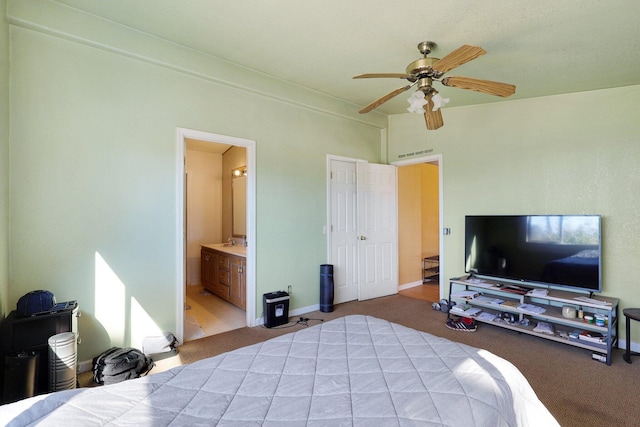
(352, 371)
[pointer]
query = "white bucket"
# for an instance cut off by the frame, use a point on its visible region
(63, 359)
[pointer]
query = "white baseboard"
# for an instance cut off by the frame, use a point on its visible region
(635, 347)
(85, 366)
(296, 312)
(409, 285)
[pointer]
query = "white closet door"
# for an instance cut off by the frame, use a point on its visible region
(344, 230)
(377, 230)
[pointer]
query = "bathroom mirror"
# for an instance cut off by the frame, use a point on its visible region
(239, 202)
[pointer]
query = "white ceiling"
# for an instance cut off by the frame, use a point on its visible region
(544, 47)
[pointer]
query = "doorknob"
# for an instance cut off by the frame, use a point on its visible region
(362, 237)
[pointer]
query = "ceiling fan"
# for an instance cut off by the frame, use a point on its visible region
(425, 70)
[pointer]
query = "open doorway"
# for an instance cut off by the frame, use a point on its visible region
(206, 163)
(209, 209)
(419, 219)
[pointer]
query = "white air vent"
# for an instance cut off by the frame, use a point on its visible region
(415, 153)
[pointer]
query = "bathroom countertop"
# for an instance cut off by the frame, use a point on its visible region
(238, 250)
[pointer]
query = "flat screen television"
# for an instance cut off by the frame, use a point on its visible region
(556, 250)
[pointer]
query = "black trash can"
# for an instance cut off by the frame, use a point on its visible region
(276, 308)
(326, 288)
(20, 376)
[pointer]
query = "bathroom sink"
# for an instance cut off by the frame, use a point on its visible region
(228, 248)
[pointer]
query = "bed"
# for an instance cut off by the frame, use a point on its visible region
(351, 371)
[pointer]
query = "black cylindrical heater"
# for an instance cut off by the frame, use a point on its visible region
(326, 288)
(20, 376)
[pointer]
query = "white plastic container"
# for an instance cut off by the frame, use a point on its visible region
(63, 358)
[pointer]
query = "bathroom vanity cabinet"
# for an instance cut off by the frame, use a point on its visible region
(223, 273)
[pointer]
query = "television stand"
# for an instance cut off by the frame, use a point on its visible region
(527, 308)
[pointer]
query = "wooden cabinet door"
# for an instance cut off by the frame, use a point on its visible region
(237, 290)
(224, 275)
(208, 260)
(222, 279)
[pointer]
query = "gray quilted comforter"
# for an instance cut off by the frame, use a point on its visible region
(352, 371)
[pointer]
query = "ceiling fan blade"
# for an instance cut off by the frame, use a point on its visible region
(458, 57)
(484, 86)
(384, 99)
(433, 119)
(382, 75)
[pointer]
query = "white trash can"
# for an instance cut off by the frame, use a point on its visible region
(63, 358)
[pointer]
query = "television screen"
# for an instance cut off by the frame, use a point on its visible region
(558, 250)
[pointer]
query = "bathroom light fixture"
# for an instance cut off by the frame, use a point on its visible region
(238, 172)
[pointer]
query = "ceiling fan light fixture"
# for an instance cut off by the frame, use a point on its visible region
(438, 101)
(424, 71)
(417, 101)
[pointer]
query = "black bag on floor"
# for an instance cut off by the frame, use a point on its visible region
(119, 364)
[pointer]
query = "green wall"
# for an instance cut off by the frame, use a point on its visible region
(4, 164)
(94, 111)
(573, 153)
(93, 166)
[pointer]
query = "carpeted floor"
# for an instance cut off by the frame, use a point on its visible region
(577, 390)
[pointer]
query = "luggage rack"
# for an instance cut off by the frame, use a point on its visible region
(430, 268)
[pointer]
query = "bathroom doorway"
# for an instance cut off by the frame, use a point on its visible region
(207, 219)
